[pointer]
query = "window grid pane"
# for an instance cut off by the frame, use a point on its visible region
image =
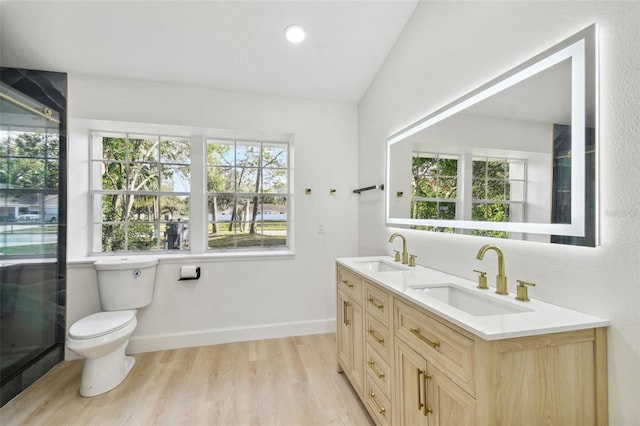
(497, 185)
(29, 197)
(435, 182)
(247, 185)
(141, 185)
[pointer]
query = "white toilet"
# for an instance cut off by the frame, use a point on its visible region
(124, 285)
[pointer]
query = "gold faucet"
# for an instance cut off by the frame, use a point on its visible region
(501, 278)
(405, 253)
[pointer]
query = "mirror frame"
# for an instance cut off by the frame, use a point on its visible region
(581, 49)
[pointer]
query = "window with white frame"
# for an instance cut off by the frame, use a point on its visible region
(143, 199)
(498, 191)
(29, 192)
(434, 186)
(141, 189)
(247, 194)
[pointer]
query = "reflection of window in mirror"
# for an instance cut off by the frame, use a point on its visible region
(498, 190)
(434, 186)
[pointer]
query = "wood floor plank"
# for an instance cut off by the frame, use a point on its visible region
(288, 381)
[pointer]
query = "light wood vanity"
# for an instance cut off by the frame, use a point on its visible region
(411, 366)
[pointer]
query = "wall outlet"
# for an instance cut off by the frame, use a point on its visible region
(322, 228)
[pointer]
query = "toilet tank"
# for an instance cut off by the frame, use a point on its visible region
(126, 283)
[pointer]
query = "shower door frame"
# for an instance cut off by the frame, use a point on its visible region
(48, 89)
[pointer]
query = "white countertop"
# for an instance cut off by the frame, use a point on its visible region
(536, 318)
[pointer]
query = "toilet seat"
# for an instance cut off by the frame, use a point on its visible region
(101, 324)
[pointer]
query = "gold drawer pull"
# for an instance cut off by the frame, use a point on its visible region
(347, 283)
(378, 373)
(426, 410)
(346, 313)
(416, 332)
(420, 404)
(381, 410)
(372, 332)
(377, 305)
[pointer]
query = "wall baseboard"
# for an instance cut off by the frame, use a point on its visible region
(160, 342)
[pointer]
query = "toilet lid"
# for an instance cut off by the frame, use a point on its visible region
(102, 323)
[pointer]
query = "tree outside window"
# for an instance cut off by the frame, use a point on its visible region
(247, 186)
(434, 187)
(141, 192)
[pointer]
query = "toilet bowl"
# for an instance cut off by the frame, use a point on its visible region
(102, 338)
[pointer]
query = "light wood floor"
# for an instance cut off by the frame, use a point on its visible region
(290, 381)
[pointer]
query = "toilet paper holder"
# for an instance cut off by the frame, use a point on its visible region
(188, 273)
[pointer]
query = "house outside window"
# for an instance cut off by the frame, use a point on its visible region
(29, 169)
(143, 196)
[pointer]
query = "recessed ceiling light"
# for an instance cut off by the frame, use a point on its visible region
(294, 34)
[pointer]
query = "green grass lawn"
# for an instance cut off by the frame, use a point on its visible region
(275, 235)
(35, 249)
(226, 240)
(48, 229)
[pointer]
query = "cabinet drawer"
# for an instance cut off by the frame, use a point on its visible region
(350, 283)
(378, 370)
(378, 337)
(378, 404)
(450, 351)
(378, 303)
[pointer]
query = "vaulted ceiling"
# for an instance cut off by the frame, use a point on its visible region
(234, 45)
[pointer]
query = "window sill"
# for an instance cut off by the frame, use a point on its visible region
(226, 256)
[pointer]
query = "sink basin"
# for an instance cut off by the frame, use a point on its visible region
(382, 266)
(468, 300)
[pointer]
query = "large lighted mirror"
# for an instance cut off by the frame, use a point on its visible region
(513, 159)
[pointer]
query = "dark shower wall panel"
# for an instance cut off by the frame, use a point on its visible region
(29, 319)
(30, 311)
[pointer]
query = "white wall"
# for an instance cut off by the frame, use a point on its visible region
(236, 298)
(450, 48)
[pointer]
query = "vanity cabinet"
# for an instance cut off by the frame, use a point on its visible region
(350, 327)
(421, 369)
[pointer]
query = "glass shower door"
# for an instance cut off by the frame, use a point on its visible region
(32, 256)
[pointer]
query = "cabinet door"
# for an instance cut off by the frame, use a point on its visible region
(410, 373)
(425, 396)
(448, 403)
(350, 340)
(342, 329)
